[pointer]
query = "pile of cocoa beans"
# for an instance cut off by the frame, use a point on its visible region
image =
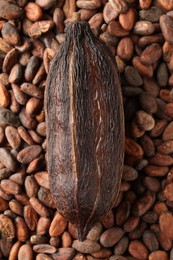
(140, 35)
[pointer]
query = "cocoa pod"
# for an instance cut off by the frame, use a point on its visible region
(88, 114)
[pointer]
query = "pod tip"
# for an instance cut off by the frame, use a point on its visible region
(76, 16)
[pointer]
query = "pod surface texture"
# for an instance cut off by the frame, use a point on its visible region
(85, 128)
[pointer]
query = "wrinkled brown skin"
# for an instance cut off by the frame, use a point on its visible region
(85, 128)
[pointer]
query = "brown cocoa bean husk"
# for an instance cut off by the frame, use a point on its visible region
(131, 223)
(111, 236)
(31, 217)
(144, 70)
(145, 4)
(29, 153)
(42, 179)
(25, 251)
(39, 207)
(143, 204)
(86, 247)
(31, 186)
(25, 135)
(57, 226)
(152, 51)
(10, 60)
(121, 247)
(138, 249)
(116, 29)
(103, 253)
(44, 248)
(10, 34)
(159, 254)
(66, 239)
(10, 187)
(125, 49)
(7, 227)
(119, 6)
(15, 73)
(14, 250)
(33, 12)
(127, 19)
(43, 225)
(13, 137)
(40, 27)
(109, 14)
(16, 207)
(9, 10)
(32, 90)
(64, 252)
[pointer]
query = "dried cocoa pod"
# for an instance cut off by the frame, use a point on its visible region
(85, 128)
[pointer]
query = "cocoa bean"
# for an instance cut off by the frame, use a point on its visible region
(109, 14)
(10, 34)
(115, 29)
(19, 95)
(7, 227)
(16, 207)
(152, 14)
(93, 4)
(39, 207)
(167, 134)
(40, 27)
(125, 49)
(45, 197)
(44, 248)
(151, 54)
(13, 137)
(144, 70)
(66, 240)
(37, 239)
(166, 27)
(150, 240)
(33, 12)
(15, 73)
(22, 232)
(111, 236)
(25, 135)
(131, 224)
(29, 153)
(14, 250)
(9, 10)
(26, 252)
(148, 102)
(4, 96)
(64, 253)
(143, 204)
(102, 253)
(158, 255)
(144, 120)
(121, 247)
(143, 28)
(57, 226)
(43, 225)
(153, 171)
(31, 186)
(138, 250)
(31, 68)
(127, 19)
(31, 90)
(119, 6)
(8, 117)
(132, 76)
(86, 247)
